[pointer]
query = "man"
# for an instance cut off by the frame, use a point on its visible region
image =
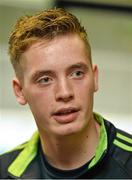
(51, 57)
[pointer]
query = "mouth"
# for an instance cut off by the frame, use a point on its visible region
(66, 115)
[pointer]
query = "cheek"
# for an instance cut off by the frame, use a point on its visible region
(39, 98)
(85, 88)
(41, 105)
(84, 94)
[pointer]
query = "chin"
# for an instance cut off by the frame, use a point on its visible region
(69, 129)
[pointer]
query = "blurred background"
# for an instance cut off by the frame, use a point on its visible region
(109, 27)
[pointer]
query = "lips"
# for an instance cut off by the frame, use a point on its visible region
(66, 115)
(65, 111)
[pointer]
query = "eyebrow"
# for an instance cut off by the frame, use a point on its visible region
(79, 65)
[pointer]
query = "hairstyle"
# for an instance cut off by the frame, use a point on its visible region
(46, 24)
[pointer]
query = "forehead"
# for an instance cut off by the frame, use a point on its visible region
(61, 51)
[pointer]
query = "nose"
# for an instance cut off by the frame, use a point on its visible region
(64, 91)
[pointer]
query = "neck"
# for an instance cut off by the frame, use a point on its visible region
(72, 151)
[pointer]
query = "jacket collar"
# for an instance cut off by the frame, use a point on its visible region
(18, 168)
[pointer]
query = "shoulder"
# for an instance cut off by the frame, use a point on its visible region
(123, 150)
(16, 161)
(123, 140)
(5, 161)
(7, 158)
(120, 150)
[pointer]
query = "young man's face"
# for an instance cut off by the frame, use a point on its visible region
(59, 84)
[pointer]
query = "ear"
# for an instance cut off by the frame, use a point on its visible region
(18, 90)
(95, 74)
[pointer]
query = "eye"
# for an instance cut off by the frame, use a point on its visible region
(77, 74)
(45, 80)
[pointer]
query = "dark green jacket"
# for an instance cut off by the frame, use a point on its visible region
(113, 158)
